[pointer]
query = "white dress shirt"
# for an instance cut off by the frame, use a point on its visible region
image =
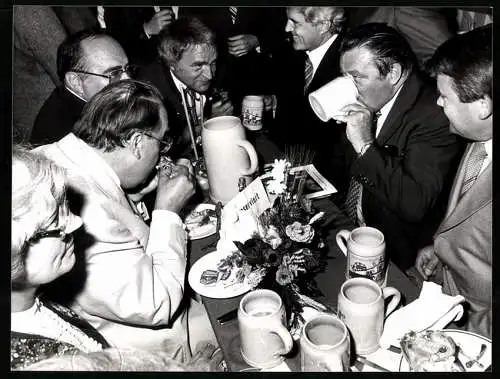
(488, 146)
(316, 55)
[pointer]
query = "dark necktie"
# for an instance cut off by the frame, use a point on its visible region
(308, 73)
(474, 164)
(355, 187)
(234, 12)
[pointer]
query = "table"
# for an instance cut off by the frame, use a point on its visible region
(329, 281)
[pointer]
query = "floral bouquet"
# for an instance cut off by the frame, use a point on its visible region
(288, 250)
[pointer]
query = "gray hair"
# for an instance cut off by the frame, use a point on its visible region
(182, 34)
(334, 15)
(38, 192)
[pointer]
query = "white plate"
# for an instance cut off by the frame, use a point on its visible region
(217, 291)
(470, 344)
(196, 232)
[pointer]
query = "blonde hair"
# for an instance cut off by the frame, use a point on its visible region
(38, 192)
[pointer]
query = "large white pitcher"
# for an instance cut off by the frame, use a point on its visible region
(228, 156)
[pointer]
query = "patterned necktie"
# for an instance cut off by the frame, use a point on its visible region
(234, 12)
(352, 202)
(308, 73)
(474, 164)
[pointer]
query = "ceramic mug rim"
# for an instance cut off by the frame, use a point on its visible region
(327, 316)
(227, 125)
(253, 98)
(378, 232)
(249, 296)
(367, 281)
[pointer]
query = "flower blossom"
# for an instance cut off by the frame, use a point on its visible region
(255, 277)
(283, 276)
(272, 237)
(277, 183)
(300, 233)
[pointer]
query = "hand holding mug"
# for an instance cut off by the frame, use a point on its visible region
(222, 106)
(359, 122)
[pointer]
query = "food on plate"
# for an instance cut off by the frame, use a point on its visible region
(228, 271)
(200, 218)
(209, 277)
(430, 350)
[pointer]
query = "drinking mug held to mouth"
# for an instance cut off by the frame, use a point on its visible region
(365, 251)
(264, 336)
(324, 345)
(361, 304)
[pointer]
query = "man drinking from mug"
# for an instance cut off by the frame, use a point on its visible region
(399, 156)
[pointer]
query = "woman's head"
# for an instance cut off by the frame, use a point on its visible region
(42, 247)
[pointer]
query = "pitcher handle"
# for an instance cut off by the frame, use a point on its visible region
(391, 291)
(251, 154)
(341, 238)
(285, 336)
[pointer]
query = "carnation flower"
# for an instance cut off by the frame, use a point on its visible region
(255, 277)
(272, 237)
(271, 257)
(277, 183)
(300, 233)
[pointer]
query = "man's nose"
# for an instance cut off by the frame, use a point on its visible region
(125, 75)
(288, 26)
(439, 101)
(207, 72)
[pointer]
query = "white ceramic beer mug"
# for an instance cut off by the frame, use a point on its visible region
(252, 112)
(365, 251)
(264, 337)
(324, 345)
(361, 305)
(228, 156)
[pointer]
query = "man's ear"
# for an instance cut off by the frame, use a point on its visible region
(485, 105)
(135, 144)
(74, 82)
(324, 26)
(395, 73)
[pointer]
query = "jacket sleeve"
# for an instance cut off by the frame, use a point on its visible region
(134, 274)
(409, 179)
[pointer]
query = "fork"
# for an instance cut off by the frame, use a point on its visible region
(469, 363)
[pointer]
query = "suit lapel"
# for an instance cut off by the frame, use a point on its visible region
(479, 195)
(329, 67)
(404, 102)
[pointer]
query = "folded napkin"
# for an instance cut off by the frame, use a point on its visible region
(432, 310)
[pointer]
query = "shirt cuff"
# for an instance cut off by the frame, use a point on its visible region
(167, 229)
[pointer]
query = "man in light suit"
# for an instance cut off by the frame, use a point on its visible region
(130, 285)
(461, 255)
(396, 171)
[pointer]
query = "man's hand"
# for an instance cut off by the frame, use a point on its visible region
(359, 120)
(222, 107)
(426, 262)
(206, 357)
(241, 44)
(159, 21)
(174, 190)
(143, 191)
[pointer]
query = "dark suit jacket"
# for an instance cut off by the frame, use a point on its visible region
(56, 117)
(159, 75)
(125, 24)
(407, 173)
(249, 74)
(296, 122)
(463, 243)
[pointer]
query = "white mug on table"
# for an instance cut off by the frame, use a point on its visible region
(324, 344)
(365, 251)
(361, 304)
(264, 336)
(252, 112)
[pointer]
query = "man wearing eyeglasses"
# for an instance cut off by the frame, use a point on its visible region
(132, 288)
(87, 61)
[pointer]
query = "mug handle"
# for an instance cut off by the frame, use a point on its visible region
(341, 238)
(391, 291)
(248, 147)
(285, 336)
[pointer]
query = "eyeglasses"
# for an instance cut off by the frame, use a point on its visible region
(62, 232)
(165, 144)
(113, 76)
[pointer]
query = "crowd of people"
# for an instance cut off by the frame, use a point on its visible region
(112, 89)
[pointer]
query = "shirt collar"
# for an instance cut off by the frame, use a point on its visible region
(384, 111)
(317, 54)
(488, 146)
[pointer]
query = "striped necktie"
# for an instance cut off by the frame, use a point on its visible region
(308, 73)
(234, 12)
(473, 166)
